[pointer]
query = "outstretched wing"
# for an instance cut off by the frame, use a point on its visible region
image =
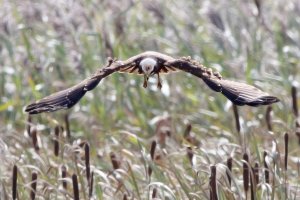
(238, 93)
(63, 99)
(69, 97)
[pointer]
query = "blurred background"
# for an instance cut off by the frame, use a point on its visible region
(46, 46)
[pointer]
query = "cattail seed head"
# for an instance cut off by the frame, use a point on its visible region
(267, 178)
(256, 172)
(213, 183)
(56, 140)
(229, 165)
(294, 101)
(246, 172)
(14, 182)
(190, 154)
(152, 150)
(91, 184)
(187, 131)
(154, 193)
(114, 160)
(64, 175)
(75, 187)
(87, 160)
(149, 171)
(286, 145)
(152, 153)
(33, 185)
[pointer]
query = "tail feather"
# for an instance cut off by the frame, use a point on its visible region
(240, 93)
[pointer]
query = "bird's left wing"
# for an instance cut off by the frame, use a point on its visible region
(238, 93)
(69, 97)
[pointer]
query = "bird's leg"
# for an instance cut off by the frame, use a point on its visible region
(159, 86)
(145, 81)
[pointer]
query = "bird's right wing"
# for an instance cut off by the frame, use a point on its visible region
(63, 99)
(69, 97)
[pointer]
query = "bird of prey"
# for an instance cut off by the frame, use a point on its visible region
(153, 63)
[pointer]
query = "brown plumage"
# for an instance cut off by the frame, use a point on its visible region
(148, 64)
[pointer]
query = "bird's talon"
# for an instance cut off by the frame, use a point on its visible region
(145, 84)
(159, 85)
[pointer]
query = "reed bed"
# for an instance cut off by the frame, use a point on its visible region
(126, 142)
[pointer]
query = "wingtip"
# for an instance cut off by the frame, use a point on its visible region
(263, 100)
(244, 94)
(270, 100)
(32, 109)
(29, 108)
(34, 112)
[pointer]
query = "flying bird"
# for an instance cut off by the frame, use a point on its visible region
(148, 64)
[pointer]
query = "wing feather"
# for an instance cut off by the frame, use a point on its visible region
(126, 69)
(244, 94)
(238, 93)
(69, 97)
(63, 99)
(171, 68)
(167, 69)
(133, 69)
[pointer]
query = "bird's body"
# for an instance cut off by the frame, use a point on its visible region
(149, 64)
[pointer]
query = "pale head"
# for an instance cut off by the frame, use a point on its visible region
(148, 65)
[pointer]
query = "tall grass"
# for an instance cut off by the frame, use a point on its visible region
(126, 142)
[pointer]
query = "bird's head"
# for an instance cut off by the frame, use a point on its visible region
(148, 65)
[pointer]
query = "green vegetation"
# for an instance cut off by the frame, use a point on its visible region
(109, 148)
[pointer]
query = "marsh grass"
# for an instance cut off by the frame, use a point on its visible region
(126, 142)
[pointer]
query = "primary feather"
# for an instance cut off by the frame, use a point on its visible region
(241, 93)
(63, 99)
